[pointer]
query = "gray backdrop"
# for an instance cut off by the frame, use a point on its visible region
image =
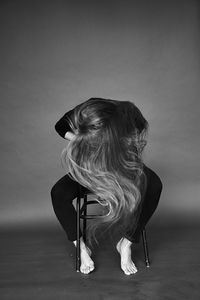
(56, 54)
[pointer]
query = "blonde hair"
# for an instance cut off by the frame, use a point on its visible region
(106, 157)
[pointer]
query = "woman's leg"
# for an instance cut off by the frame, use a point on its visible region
(150, 202)
(63, 193)
(149, 205)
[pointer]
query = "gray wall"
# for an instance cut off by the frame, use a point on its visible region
(56, 54)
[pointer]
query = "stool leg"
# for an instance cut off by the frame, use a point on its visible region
(146, 252)
(78, 234)
(85, 220)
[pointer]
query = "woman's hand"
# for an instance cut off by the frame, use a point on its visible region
(69, 135)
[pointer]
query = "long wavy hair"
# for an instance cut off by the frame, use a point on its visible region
(106, 157)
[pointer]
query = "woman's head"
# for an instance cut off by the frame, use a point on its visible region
(105, 156)
(97, 116)
(93, 115)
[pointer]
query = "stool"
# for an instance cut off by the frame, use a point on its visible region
(82, 214)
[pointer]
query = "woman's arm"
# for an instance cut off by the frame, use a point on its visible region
(63, 125)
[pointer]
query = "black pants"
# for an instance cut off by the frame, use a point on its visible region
(66, 189)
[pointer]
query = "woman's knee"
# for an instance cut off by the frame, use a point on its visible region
(154, 180)
(59, 192)
(157, 189)
(53, 192)
(55, 198)
(64, 191)
(158, 185)
(154, 187)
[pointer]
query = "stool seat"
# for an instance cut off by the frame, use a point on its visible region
(81, 210)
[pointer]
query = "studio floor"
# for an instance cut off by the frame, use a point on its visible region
(39, 263)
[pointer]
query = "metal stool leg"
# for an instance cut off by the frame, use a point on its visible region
(146, 252)
(78, 234)
(84, 220)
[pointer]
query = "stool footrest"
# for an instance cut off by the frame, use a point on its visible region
(90, 217)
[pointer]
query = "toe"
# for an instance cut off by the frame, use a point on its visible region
(87, 270)
(133, 271)
(130, 270)
(84, 269)
(125, 269)
(91, 268)
(133, 268)
(127, 272)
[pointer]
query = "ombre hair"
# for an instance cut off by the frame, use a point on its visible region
(106, 157)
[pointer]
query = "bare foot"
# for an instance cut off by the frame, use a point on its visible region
(87, 264)
(124, 249)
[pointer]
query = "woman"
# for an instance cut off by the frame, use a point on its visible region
(104, 156)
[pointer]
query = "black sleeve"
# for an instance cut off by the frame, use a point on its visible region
(67, 123)
(63, 125)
